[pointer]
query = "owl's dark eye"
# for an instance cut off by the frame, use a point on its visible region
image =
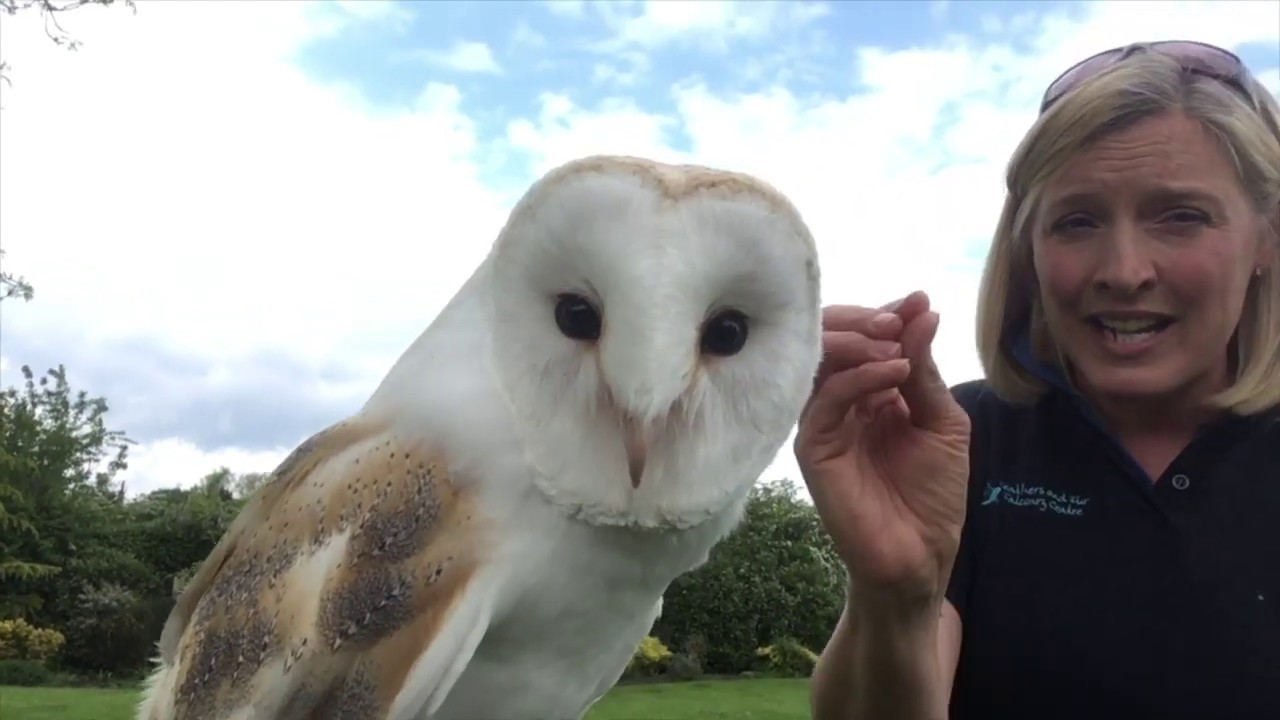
(725, 333)
(577, 318)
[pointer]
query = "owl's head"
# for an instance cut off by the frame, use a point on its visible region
(657, 331)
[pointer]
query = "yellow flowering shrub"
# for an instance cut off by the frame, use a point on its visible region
(20, 640)
(788, 657)
(650, 658)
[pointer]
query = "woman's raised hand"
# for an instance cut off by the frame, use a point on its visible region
(884, 450)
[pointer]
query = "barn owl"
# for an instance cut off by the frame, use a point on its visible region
(491, 533)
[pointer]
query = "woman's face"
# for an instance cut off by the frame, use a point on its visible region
(1144, 248)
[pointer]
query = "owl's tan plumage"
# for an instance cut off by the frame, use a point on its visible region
(491, 534)
(267, 622)
(677, 181)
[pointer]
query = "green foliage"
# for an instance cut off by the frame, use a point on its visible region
(174, 529)
(14, 569)
(777, 575)
(14, 286)
(58, 461)
(787, 658)
(683, 666)
(20, 640)
(246, 484)
(184, 576)
(109, 631)
(650, 659)
(74, 555)
(24, 673)
(81, 568)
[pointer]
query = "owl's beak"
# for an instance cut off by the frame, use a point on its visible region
(633, 436)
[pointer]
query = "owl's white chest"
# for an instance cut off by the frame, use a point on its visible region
(578, 603)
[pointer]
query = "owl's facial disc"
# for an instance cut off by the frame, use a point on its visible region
(622, 294)
(648, 366)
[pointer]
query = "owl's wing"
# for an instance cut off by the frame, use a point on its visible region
(353, 585)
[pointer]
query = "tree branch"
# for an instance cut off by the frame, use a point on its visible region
(49, 11)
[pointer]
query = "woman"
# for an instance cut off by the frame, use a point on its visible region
(1094, 530)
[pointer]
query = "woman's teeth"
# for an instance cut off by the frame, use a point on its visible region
(1132, 331)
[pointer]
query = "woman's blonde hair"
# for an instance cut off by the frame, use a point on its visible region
(1142, 86)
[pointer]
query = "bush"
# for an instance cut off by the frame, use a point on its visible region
(108, 634)
(776, 575)
(25, 673)
(787, 658)
(651, 658)
(20, 640)
(683, 666)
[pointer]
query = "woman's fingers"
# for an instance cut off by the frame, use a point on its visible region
(871, 322)
(863, 361)
(851, 348)
(877, 402)
(882, 323)
(926, 392)
(838, 394)
(845, 350)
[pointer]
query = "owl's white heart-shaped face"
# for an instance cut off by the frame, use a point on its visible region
(657, 329)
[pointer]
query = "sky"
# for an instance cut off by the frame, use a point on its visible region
(237, 215)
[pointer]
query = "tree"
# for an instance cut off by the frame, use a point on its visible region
(249, 483)
(50, 10)
(13, 569)
(175, 528)
(61, 505)
(776, 577)
(14, 285)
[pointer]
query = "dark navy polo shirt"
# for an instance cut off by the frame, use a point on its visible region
(1088, 590)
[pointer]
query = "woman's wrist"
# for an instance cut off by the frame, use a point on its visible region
(905, 617)
(900, 606)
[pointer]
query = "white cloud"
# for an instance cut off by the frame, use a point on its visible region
(222, 202)
(712, 25)
(524, 36)
(466, 56)
(623, 69)
(375, 10)
(566, 8)
(156, 185)
(177, 462)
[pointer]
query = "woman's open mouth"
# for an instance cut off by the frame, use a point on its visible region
(1129, 333)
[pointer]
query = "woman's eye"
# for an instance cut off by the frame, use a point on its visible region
(1072, 222)
(1186, 215)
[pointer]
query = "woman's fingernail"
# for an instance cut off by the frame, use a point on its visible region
(884, 321)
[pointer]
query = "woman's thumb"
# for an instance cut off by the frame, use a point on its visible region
(927, 395)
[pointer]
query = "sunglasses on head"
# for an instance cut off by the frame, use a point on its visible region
(1193, 56)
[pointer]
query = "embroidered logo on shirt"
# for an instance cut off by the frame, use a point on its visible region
(1035, 496)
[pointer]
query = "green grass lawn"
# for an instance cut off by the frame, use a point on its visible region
(707, 700)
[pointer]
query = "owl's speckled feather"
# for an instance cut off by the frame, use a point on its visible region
(491, 534)
(336, 576)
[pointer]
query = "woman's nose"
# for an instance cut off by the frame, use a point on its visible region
(1125, 265)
